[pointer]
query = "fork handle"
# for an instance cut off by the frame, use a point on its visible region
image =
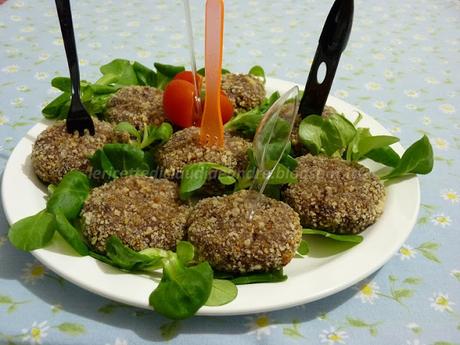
(65, 20)
(213, 47)
(214, 30)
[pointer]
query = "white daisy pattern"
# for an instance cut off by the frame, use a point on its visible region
(23, 88)
(431, 80)
(441, 220)
(41, 75)
(414, 342)
(447, 108)
(10, 69)
(260, 325)
(389, 75)
(441, 143)
(18, 102)
(411, 93)
(119, 341)
(33, 272)
(414, 327)
(406, 252)
(36, 333)
(373, 86)
(333, 336)
(3, 120)
(440, 302)
(341, 93)
(450, 195)
(368, 292)
(455, 274)
(380, 105)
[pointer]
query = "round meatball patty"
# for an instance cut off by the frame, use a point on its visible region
(138, 105)
(335, 195)
(144, 212)
(56, 152)
(224, 234)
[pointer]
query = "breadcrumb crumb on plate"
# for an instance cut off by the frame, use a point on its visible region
(322, 273)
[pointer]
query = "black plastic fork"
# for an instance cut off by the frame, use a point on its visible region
(78, 118)
(332, 43)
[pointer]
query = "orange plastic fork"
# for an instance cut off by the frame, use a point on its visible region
(212, 129)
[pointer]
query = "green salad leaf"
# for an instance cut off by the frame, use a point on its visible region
(62, 83)
(303, 248)
(145, 76)
(260, 277)
(311, 133)
(281, 175)
(182, 289)
(417, 159)
(93, 96)
(289, 162)
(384, 155)
(58, 108)
(337, 237)
(246, 123)
(118, 160)
(115, 74)
(156, 135)
(165, 73)
(69, 195)
(364, 142)
(258, 71)
(194, 176)
(151, 135)
(185, 252)
(336, 136)
(64, 204)
(33, 232)
(202, 71)
(72, 236)
(222, 292)
(125, 258)
(127, 127)
(118, 71)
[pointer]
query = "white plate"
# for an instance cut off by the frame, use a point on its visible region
(310, 278)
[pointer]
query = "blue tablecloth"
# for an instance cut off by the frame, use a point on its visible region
(401, 66)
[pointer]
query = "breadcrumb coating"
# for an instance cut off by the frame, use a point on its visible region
(56, 152)
(243, 90)
(223, 234)
(335, 195)
(184, 148)
(138, 105)
(142, 211)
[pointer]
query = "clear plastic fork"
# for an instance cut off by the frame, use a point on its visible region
(270, 142)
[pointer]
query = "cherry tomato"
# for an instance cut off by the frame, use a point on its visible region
(178, 102)
(226, 108)
(188, 76)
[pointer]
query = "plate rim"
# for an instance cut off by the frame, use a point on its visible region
(42, 254)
